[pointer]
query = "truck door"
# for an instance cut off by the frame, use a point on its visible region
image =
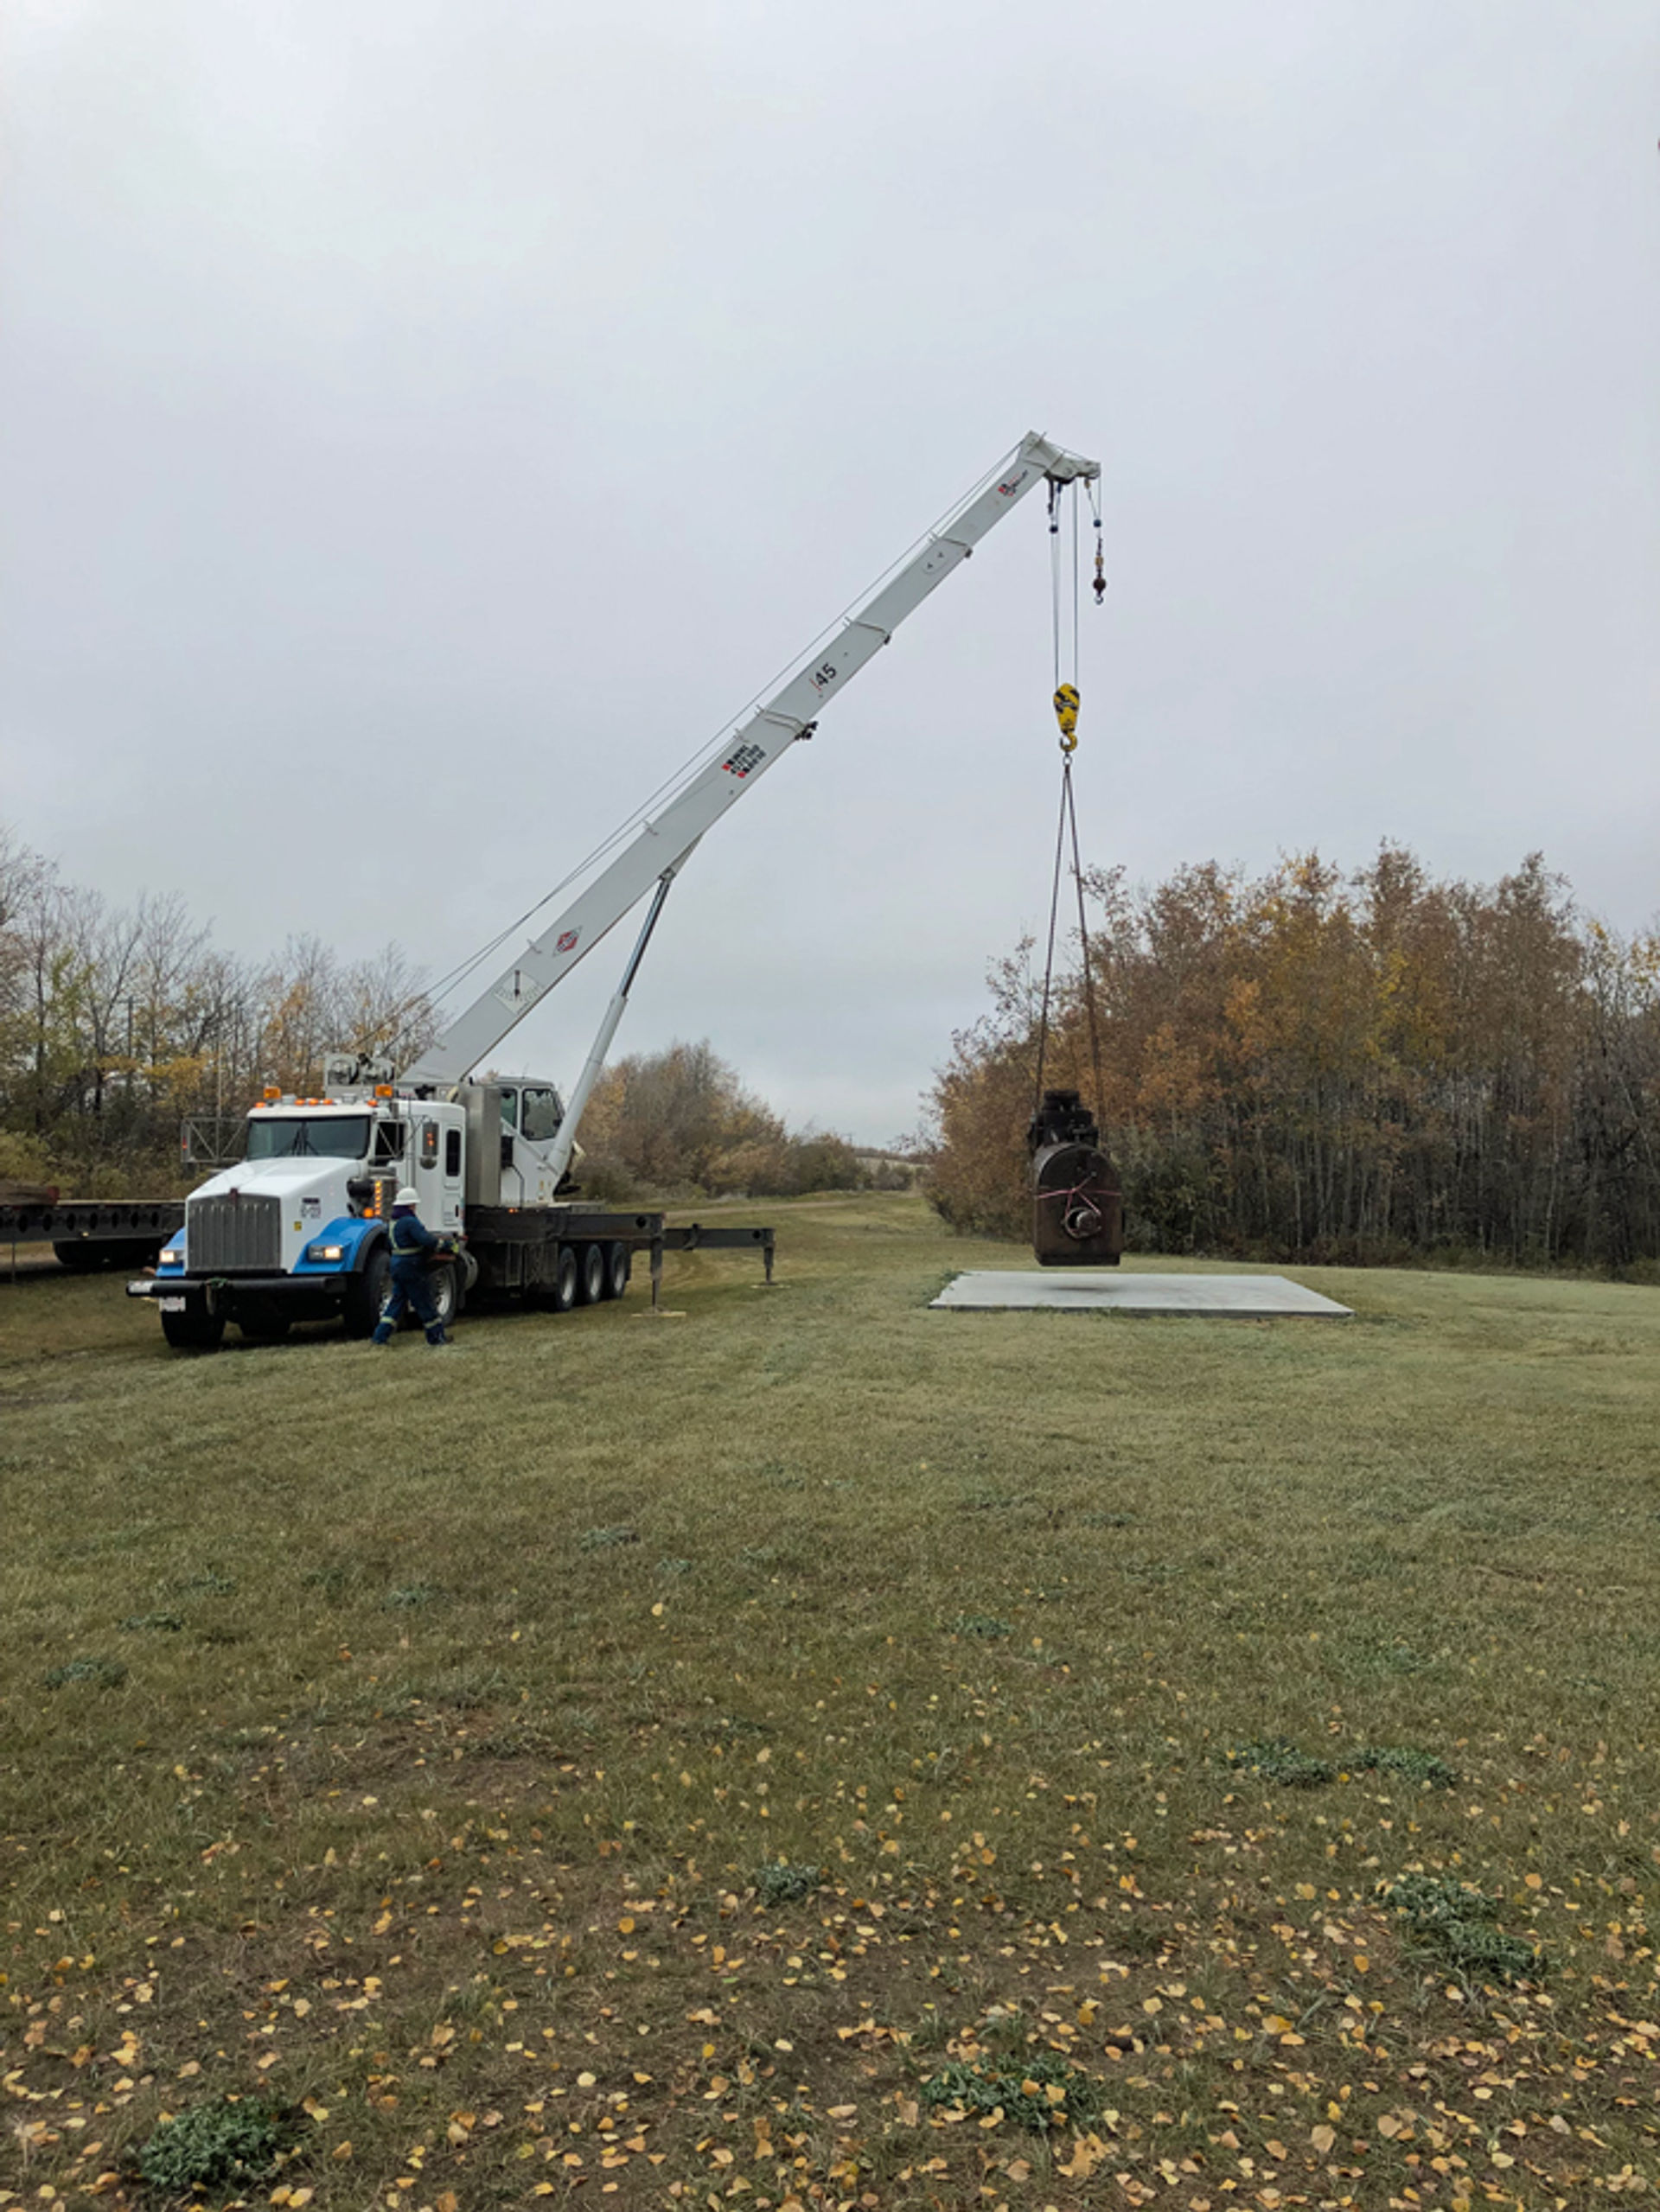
(451, 1187)
(541, 1112)
(427, 1170)
(513, 1179)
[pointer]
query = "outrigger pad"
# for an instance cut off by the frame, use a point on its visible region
(1247, 1298)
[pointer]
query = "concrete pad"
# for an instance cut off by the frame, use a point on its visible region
(1104, 1290)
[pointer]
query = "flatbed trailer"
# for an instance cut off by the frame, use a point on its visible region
(519, 1248)
(91, 1233)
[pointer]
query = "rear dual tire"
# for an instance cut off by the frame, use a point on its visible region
(445, 1285)
(591, 1274)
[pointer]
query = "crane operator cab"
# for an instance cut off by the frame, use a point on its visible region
(529, 1114)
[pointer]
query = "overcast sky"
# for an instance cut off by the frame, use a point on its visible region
(425, 425)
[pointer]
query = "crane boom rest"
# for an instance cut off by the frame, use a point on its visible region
(662, 847)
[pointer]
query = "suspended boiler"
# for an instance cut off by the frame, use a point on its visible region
(1077, 1206)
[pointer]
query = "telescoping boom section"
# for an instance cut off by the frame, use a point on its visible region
(665, 842)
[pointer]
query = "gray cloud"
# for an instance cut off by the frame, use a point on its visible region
(426, 425)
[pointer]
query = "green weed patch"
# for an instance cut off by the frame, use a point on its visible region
(101, 1674)
(778, 1882)
(1458, 1927)
(1276, 1758)
(412, 1596)
(607, 1539)
(1044, 2093)
(1411, 1765)
(213, 2143)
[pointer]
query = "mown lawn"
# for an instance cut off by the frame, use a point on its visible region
(817, 1751)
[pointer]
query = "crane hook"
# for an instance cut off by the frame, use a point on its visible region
(1066, 713)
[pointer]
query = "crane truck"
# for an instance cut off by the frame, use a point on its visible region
(297, 1230)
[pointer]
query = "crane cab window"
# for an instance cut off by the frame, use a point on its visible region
(509, 1111)
(428, 1143)
(543, 1113)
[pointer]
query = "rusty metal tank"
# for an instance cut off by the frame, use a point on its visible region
(1077, 1207)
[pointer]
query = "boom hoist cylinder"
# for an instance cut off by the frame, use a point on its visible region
(1077, 1205)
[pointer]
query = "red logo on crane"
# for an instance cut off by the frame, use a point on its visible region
(566, 941)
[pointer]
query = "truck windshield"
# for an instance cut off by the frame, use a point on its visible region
(334, 1137)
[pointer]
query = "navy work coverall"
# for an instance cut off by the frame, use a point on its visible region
(411, 1241)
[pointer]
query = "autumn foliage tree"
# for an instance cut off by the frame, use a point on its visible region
(681, 1119)
(116, 1022)
(1310, 1064)
(120, 1025)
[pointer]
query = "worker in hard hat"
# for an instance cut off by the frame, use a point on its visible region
(413, 1245)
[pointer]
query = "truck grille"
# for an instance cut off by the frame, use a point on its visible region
(227, 1236)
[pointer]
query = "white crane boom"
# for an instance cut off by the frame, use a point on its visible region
(664, 843)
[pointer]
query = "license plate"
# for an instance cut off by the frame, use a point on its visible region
(171, 1305)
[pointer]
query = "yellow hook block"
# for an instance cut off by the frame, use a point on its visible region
(1066, 713)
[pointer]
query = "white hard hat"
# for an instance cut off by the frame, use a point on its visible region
(407, 1196)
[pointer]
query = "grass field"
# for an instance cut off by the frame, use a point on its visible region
(817, 1751)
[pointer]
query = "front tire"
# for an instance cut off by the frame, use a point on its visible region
(81, 1256)
(366, 1293)
(265, 1325)
(194, 1332)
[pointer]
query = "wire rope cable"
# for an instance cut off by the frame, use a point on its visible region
(1067, 826)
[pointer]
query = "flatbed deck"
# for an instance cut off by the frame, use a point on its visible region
(89, 1233)
(517, 1246)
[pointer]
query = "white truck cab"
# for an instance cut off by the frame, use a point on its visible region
(296, 1230)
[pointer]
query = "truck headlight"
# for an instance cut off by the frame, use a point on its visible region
(171, 1258)
(325, 1252)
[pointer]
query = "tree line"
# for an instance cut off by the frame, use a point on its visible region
(121, 1025)
(682, 1120)
(117, 1023)
(1320, 1066)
